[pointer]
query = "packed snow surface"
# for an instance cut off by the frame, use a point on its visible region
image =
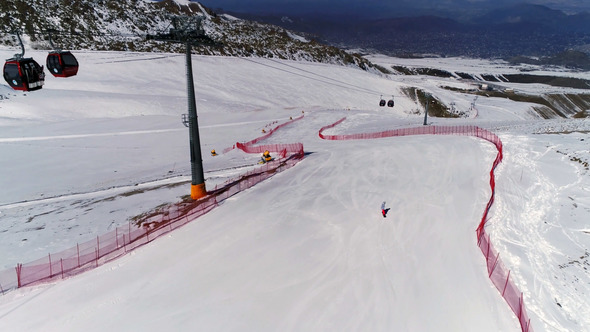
(308, 249)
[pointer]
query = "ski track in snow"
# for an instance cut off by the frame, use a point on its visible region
(529, 236)
(45, 138)
(121, 133)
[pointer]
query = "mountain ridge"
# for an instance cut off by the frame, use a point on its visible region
(124, 25)
(520, 30)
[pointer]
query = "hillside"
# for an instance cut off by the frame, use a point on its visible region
(123, 26)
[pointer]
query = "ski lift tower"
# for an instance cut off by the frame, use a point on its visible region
(188, 30)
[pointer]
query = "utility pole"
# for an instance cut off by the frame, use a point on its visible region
(189, 31)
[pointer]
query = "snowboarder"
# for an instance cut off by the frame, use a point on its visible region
(384, 210)
(213, 153)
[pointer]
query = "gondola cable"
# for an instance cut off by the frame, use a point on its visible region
(322, 78)
(382, 102)
(338, 84)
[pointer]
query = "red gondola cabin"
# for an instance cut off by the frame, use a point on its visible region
(62, 64)
(24, 74)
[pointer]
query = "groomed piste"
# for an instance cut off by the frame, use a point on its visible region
(125, 239)
(499, 275)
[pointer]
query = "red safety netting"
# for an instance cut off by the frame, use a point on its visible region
(497, 272)
(126, 238)
(108, 246)
(281, 149)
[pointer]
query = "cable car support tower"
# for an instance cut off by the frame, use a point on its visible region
(189, 31)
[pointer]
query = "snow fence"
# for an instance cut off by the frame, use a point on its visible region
(106, 247)
(497, 272)
(281, 149)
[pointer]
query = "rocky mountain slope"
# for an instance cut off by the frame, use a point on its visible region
(124, 25)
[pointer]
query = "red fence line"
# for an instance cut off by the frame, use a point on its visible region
(497, 272)
(283, 149)
(123, 239)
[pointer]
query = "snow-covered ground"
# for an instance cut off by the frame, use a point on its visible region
(477, 66)
(307, 249)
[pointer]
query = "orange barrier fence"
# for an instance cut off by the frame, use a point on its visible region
(497, 272)
(106, 247)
